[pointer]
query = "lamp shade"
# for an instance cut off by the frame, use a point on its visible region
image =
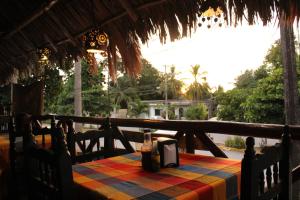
(43, 55)
(95, 41)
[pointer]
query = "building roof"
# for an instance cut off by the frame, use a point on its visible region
(26, 25)
(174, 102)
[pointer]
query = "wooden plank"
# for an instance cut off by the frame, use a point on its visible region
(296, 174)
(122, 137)
(210, 145)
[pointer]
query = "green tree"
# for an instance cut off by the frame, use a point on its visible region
(196, 112)
(230, 105)
(5, 95)
(94, 98)
(198, 90)
(258, 95)
(245, 80)
(123, 91)
(265, 104)
(148, 82)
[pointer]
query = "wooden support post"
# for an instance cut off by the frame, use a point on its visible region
(189, 142)
(77, 93)
(247, 183)
(70, 140)
(285, 166)
(108, 140)
(291, 100)
(210, 145)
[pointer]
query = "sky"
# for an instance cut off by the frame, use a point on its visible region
(223, 52)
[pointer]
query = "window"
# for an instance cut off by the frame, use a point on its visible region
(157, 112)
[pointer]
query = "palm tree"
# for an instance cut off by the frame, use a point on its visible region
(197, 90)
(174, 85)
(136, 108)
(123, 91)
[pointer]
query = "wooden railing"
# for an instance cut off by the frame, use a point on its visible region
(192, 131)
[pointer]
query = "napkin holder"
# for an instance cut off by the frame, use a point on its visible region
(168, 150)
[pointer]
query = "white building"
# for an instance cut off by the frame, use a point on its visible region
(156, 107)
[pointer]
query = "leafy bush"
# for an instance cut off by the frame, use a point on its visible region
(235, 142)
(196, 112)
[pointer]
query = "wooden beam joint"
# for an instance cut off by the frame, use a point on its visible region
(129, 9)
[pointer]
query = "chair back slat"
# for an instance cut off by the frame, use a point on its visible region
(269, 177)
(262, 182)
(49, 171)
(275, 173)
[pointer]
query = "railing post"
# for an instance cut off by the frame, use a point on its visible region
(108, 139)
(285, 165)
(248, 187)
(70, 139)
(189, 142)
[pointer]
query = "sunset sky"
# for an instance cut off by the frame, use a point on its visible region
(223, 52)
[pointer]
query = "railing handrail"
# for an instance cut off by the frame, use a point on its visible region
(219, 127)
(272, 131)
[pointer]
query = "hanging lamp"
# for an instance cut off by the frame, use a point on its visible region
(95, 41)
(43, 55)
(212, 17)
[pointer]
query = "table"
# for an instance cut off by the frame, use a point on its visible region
(197, 177)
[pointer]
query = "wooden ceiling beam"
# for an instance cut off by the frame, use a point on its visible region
(104, 22)
(47, 38)
(44, 9)
(20, 49)
(28, 41)
(62, 28)
(114, 18)
(127, 6)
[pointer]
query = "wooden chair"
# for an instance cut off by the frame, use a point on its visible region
(49, 171)
(85, 146)
(267, 175)
(18, 127)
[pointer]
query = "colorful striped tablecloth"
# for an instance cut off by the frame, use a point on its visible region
(197, 177)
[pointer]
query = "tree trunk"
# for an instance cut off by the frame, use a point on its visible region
(291, 101)
(77, 92)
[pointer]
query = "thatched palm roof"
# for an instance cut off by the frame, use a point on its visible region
(26, 25)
